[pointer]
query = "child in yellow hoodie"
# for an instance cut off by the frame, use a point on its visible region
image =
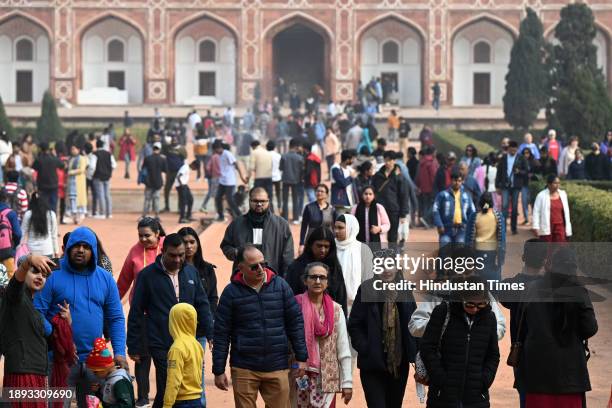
(183, 384)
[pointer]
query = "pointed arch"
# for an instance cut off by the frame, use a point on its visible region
(18, 13)
(297, 17)
(390, 15)
(485, 17)
(187, 21)
(108, 15)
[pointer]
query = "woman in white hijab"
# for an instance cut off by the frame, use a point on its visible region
(354, 257)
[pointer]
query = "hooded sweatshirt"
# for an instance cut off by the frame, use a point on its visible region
(93, 297)
(184, 358)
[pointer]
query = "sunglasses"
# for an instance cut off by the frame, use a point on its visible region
(257, 202)
(472, 305)
(321, 278)
(256, 266)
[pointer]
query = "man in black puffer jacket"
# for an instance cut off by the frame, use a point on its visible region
(463, 369)
(259, 316)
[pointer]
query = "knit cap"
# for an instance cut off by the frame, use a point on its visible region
(100, 357)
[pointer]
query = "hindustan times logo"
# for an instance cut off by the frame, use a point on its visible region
(412, 264)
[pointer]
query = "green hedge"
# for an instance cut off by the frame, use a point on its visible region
(590, 209)
(447, 140)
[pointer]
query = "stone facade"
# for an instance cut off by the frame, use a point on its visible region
(253, 24)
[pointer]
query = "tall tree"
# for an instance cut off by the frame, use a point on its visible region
(527, 78)
(580, 103)
(5, 123)
(49, 126)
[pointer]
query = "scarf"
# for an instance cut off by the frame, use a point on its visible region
(63, 353)
(372, 220)
(349, 256)
(313, 328)
(392, 333)
(256, 220)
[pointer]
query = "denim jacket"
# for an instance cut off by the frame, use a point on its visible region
(444, 208)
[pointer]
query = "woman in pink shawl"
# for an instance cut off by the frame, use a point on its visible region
(329, 368)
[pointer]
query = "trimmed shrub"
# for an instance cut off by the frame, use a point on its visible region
(447, 140)
(49, 126)
(589, 210)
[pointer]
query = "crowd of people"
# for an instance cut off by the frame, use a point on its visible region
(293, 324)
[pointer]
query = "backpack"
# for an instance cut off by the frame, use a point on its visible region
(12, 200)
(6, 235)
(4, 280)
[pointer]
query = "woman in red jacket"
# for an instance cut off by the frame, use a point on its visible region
(150, 240)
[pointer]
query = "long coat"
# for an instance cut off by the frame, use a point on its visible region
(80, 174)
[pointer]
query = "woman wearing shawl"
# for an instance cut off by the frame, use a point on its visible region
(77, 184)
(320, 247)
(378, 328)
(372, 218)
(329, 368)
(355, 258)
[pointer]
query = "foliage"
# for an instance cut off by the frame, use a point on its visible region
(527, 78)
(5, 123)
(49, 126)
(589, 210)
(447, 140)
(579, 103)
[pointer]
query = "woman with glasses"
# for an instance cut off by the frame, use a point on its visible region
(329, 368)
(460, 350)
(320, 247)
(316, 214)
(471, 159)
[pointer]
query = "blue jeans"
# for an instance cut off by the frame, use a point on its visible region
(202, 341)
(104, 196)
(51, 196)
(452, 235)
(188, 404)
(310, 194)
(213, 185)
(525, 201)
(512, 193)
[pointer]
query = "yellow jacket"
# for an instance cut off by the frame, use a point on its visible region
(184, 358)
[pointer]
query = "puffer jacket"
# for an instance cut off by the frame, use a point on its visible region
(464, 368)
(259, 326)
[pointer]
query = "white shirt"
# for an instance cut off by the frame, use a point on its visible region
(182, 176)
(276, 172)
(194, 119)
(40, 245)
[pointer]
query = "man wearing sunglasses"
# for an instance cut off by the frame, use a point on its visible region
(262, 228)
(259, 316)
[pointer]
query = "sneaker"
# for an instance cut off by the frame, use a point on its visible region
(184, 221)
(142, 402)
(296, 222)
(424, 223)
(99, 217)
(202, 209)
(165, 210)
(219, 219)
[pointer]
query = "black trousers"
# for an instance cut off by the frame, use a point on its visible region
(294, 201)
(394, 220)
(94, 197)
(160, 359)
(141, 372)
(278, 194)
(170, 176)
(185, 199)
(228, 192)
(382, 390)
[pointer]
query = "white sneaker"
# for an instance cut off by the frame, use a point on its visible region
(99, 217)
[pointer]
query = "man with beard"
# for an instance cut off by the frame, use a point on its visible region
(159, 287)
(266, 231)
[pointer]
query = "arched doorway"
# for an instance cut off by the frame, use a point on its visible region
(298, 48)
(112, 64)
(481, 53)
(24, 61)
(205, 64)
(392, 51)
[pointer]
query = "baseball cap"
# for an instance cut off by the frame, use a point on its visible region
(157, 145)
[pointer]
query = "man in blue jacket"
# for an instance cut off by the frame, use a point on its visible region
(159, 287)
(259, 316)
(92, 295)
(452, 209)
